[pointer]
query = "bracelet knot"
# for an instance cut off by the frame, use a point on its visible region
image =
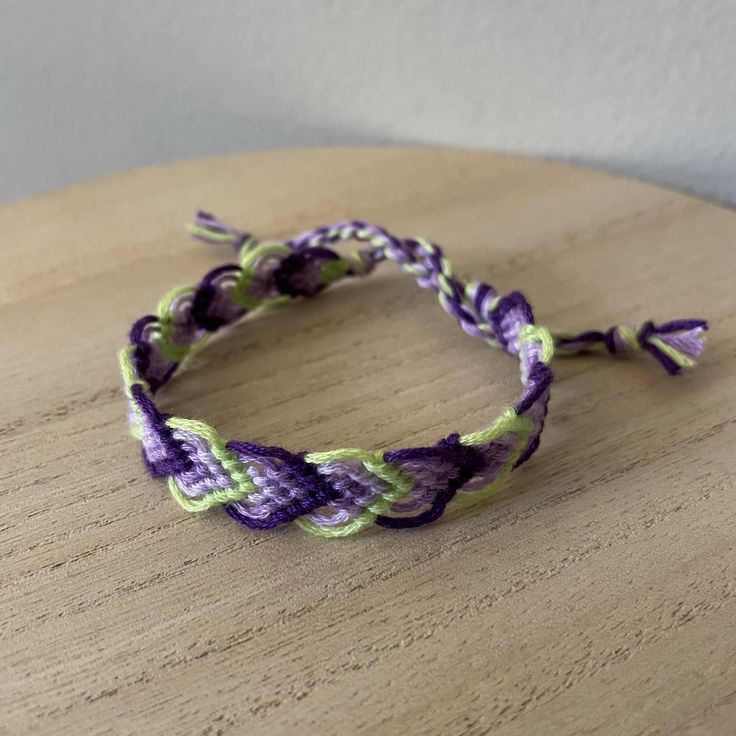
(342, 491)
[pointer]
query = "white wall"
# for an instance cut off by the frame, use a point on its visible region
(643, 87)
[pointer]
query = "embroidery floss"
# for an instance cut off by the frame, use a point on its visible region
(341, 492)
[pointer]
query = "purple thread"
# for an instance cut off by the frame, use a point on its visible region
(173, 458)
(469, 462)
(300, 273)
(211, 309)
(206, 473)
(679, 334)
(310, 490)
(207, 221)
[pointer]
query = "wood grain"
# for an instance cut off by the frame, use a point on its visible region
(595, 596)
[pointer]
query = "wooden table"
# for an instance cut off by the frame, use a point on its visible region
(594, 596)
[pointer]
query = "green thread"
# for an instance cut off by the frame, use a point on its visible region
(508, 421)
(243, 483)
(334, 270)
(522, 427)
(130, 379)
(166, 316)
(675, 355)
(213, 236)
(630, 336)
(248, 260)
(542, 335)
(128, 371)
(215, 497)
(399, 484)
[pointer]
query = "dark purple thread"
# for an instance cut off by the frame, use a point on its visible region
(311, 491)
(205, 296)
(175, 460)
(514, 302)
(468, 461)
(300, 273)
(669, 332)
(539, 380)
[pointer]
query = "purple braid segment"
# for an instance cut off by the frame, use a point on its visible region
(340, 492)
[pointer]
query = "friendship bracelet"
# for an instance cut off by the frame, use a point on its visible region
(341, 492)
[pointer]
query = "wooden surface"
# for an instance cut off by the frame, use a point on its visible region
(595, 596)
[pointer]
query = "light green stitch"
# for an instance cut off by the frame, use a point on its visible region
(165, 343)
(215, 497)
(445, 285)
(679, 358)
(334, 270)
(628, 336)
(523, 430)
(399, 484)
(128, 371)
(429, 248)
(243, 483)
(211, 235)
(508, 421)
(357, 264)
(248, 260)
(412, 269)
(358, 524)
(130, 379)
(163, 310)
(540, 334)
(443, 278)
(366, 236)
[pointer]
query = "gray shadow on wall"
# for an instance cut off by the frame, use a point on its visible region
(195, 134)
(218, 133)
(709, 180)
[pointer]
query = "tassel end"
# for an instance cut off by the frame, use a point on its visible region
(676, 345)
(209, 229)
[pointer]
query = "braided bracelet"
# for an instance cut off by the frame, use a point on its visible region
(340, 492)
